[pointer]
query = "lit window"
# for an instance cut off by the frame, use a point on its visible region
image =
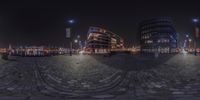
(149, 41)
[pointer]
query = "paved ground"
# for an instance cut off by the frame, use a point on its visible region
(119, 77)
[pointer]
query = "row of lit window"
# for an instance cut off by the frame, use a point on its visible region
(146, 36)
(148, 41)
(158, 41)
(93, 35)
(161, 50)
(163, 41)
(113, 40)
(155, 29)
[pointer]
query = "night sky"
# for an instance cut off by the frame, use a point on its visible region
(44, 23)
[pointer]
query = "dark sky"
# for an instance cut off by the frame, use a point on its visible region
(44, 23)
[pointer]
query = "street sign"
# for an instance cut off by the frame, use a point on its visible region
(68, 34)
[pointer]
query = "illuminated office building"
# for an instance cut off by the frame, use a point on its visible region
(158, 35)
(100, 40)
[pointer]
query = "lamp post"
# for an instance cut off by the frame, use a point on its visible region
(78, 42)
(196, 32)
(75, 45)
(187, 42)
(70, 22)
(190, 41)
(75, 41)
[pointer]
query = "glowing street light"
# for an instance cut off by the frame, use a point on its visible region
(195, 20)
(190, 40)
(187, 36)
(75, 41)
(71, 21)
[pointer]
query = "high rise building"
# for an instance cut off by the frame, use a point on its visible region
(158, 35)
(100, 40)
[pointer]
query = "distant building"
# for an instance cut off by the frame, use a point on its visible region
(28, 51)
(3, 50)
(34, 51)
(100, 40)
(158, 35)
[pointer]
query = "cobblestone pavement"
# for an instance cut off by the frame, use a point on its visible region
(119, 77)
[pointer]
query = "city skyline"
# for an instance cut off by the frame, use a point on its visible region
(98, 49)
(33, 23)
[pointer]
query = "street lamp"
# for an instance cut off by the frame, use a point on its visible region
(75, 41)
(187, 41)
(187, 36)
(79, 42)
(190, 40)
(75, 45)
(70, 22)
(195, 21)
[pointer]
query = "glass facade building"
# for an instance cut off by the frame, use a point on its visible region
(158, 35)
(100, 40)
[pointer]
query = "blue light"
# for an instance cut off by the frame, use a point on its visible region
(195, 20)
(71, 21)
